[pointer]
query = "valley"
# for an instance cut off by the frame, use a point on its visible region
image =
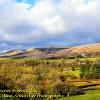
(51, 74)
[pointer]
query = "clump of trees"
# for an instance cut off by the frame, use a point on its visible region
(90, 70)
(34, 78)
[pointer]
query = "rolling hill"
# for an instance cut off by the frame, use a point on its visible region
(90, 49)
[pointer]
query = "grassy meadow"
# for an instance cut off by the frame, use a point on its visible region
(90, 95)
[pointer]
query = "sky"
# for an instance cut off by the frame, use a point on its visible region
(48, 23)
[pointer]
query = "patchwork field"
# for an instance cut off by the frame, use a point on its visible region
(68, 79)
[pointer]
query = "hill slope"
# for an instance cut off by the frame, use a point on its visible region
(92, 49)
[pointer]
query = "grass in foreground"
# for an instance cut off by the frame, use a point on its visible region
(90, 95)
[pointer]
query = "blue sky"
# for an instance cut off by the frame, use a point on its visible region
(45, 23)
(31, 2)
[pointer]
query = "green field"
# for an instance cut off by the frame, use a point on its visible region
(90, 95)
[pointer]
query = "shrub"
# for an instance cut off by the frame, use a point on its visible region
(62, 77)
(90, 70)
(64, 89)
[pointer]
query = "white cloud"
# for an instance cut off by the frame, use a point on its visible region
(20, 23)
(53, 25)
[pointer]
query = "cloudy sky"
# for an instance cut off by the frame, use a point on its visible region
(42, 23)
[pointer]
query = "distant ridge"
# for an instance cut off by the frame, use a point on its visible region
(95, 47)
(52, 51)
